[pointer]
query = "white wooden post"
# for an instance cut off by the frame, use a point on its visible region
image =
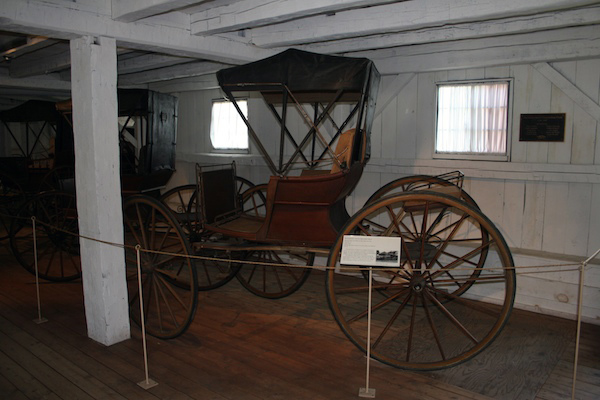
(94, 92)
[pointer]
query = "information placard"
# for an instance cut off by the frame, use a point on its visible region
(542, 128)
(376, 251)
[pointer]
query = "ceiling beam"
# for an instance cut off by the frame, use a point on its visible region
(134, 10)
(50, 82)
(471, 30)
(53, 20)
(559, 45)
(252, 13)
(148, 61)
(168, 73)
(33, 44)
(38, 64)
(398, 17)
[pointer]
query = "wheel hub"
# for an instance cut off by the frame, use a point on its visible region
(418, 283)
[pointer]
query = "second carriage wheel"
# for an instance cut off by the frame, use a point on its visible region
(183, 202)
(274, 274)
(428, 182)
(417, 182)
(169, 282)
(56, 229)
(215, 267)
(430, 311)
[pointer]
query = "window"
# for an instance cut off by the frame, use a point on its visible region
(472, 119)
(227, 129)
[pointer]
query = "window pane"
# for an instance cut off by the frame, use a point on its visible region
(472, 118)
(227, 129)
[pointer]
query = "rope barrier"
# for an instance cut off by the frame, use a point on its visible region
(517, 268)
(364, 392)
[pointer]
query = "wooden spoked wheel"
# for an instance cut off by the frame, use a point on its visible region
(432, 311)
(428, 182)
(11, 197)
(183, 203)
(169, 282)
(216, 268)
(274, 274)
(253, 201)
(56, 230)
(417, 182)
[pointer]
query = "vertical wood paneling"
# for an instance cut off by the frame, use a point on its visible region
(457, 75)
(539, 95)
(489, 196)
(368, 184)
(533, 215)
(497, 72)
(512, 213)
(578, 221)
(560, 153)
(425, 116)
(556, 215)
(389, 132)
(584, 132)
(521, 74)
(407, 121)
(594, 236)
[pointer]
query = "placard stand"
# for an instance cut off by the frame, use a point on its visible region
(40, 319)
(146, 383)
(366, 391)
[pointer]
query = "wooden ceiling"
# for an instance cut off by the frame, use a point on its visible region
(165, 40)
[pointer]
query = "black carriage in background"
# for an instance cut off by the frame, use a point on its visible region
(40, 181)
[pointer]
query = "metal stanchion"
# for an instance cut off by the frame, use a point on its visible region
(366, 391)
(40, 319)
(146, 383)
(579, 309)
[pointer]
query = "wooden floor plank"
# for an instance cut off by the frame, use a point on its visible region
(40, 370)
(241, 347)
(10, 391)
(23, 381)
(79, 358)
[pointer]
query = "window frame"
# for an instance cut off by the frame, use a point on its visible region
(228, 151)
(476, 156)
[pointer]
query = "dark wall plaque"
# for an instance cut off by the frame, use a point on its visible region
(542, 128)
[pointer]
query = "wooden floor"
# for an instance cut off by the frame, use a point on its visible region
(243, 347)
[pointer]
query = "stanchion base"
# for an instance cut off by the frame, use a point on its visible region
(40, 320)
(147, 384)
(367, 392)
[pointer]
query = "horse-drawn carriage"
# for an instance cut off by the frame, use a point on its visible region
(442, 298)
(40, 181)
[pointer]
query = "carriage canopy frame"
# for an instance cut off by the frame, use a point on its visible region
(298, 77)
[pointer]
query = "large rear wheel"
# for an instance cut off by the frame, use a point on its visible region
(441, 305)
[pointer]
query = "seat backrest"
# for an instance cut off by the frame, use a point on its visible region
(343, 151)
(217, 192)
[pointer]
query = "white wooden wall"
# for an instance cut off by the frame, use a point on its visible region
(544, 200)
